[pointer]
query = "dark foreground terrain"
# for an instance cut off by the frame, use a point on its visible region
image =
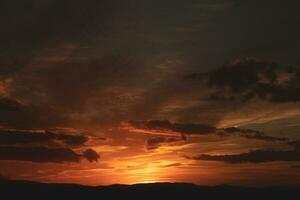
(33, 190)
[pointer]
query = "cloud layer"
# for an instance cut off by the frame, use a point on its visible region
(155, 142)
(44, 154)
(245, 79)
(165, 127)
(257, 156)
(44, 146)
(47, 138)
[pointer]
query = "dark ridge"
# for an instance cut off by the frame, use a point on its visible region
(16, 189)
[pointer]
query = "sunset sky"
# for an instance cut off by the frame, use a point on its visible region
(101, 92)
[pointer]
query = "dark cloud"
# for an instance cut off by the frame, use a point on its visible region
(61, 54)
(165, 125)
(30, 26)
(64, 58)
(200, 129)
(91, 155)
(252, 134)
(7, 104)
(78, 80)
(14, 114)
(295, 144)
(264, 137)
(44, 146)
(47, 138)
(44, 154)
(257, 156)
(246, 79)
(295, 166)
(97, 33)
(240, 130)
(242, 74)
(156, 142)
(73, 140)
(50, 96)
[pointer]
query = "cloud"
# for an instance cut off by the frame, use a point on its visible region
(16, 114)
(165, 127)
(295, 166)
(252, 134)
(91, 155)
(37, 138)
(58, 38)
(257, 156)
(172, 165)
(295, 144)
(26, 145)
(43, 146)
(9, 104)
(42, 23)
(93, 90)
(45, 154)
(155, 142)
(245, 79)
(264, 137)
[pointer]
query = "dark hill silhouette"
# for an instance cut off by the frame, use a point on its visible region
(18, 189)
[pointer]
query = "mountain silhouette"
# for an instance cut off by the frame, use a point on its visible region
(16, 189)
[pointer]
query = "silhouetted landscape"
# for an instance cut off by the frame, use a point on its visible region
(28, 189)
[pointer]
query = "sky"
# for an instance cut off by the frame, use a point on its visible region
(101, 92)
